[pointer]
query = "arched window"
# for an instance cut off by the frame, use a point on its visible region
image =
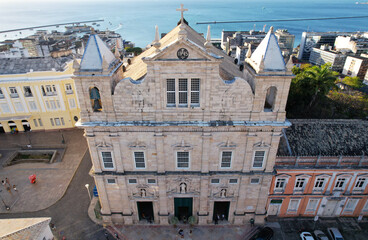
(270, 99)
(95, 99)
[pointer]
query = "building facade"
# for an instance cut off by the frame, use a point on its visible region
(181, 131)
(311, 181)
(323, 55)
(356, 67)
(37, 94)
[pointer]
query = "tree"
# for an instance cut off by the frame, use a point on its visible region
(354, 82)
(310, 84)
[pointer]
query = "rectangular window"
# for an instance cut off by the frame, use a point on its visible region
(194, 92)
(340, 183)
(280, 184)
(40, 122)
(52, 104)
(50, 90)
(52, 122)
(151, 181)
(111, 181)
(57, 104)
(18, 107)
(215, 180)
(27, 91)
(57, 121)
(234, 180)
(32, 105)
(35, 122)
(170, 91)
(62, 121)
(258, 159)
(13, 92)
(254, 180)
(312, 205)
(299, 184)
(71, 103)
(47, 105)
(182, 159)
(68, 88)
(226, 159)
(132, 180)
(5, 108)
(350, 205)
(293, 205)
(139, 160)
(107, 159)
(183, 92)
(360, 184)
(365, 208)
(318, 185)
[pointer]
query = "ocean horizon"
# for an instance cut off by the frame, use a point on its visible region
(135, 20)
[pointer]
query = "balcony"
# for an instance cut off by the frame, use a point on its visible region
(14, 95)
(27, 94)
(69, 92)
(50, 94)
(2, 96)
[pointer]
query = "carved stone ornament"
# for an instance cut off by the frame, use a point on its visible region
(182, 53)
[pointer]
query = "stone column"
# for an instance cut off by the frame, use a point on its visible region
(96, 163)
(19, 125)
(104, 200)
(126, 209)
(262, 199)
(163, 212)
(203, 214)
(6, 126)
(240, 205)
(117, 154)
(206, 140)
(159, 137)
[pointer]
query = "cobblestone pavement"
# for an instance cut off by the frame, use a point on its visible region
(52, 178)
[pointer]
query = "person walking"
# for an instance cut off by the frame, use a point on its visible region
(252, 222)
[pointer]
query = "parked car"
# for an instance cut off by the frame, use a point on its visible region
(265, 233)
(320, 235)
(334, 234)
(306, 236)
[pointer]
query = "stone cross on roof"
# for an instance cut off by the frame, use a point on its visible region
(182, 10)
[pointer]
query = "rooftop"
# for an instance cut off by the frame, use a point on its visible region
(325, 137)
(25, 65)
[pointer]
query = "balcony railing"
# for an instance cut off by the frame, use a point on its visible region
(2, 96)
(69, 92)
(27, 94)
(50, 94)
(14, 95)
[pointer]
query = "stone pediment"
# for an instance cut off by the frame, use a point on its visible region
(183, 50)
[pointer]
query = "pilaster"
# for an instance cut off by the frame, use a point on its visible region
(206, 141)
(203, 213)
(163, 212)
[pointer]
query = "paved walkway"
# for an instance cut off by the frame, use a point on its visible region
(52, 179)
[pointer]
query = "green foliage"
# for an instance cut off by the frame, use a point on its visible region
(135, 50)
(354, 82)
(174, 220)
(310, 84)
(192, 220)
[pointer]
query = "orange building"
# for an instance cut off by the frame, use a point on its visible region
(321, 185)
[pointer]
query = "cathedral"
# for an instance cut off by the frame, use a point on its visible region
(180, 132)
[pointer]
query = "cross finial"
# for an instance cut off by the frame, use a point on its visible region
(182, 10)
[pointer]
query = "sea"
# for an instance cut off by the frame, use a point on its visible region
(135, 20)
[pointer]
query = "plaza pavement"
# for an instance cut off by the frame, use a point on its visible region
(52, 178)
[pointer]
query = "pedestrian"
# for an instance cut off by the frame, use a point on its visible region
(106, 235)
(117, 236)
(222, 217)
(15, 188)
(216, 219)
(7, 181)
(181, 233)
(3, 182)
(252, 222)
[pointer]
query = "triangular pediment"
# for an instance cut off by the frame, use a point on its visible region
(183, 50)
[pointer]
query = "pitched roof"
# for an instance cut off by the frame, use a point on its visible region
(25, 65)
(138, 69)
(269, 51)
(94, 53)
(325, 137)
(23, 228)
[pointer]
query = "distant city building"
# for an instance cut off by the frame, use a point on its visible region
(356, 67)
(323, 55)
(13, 49)
(37, 94)
(312, 40)
(357, 44)
(328, 179)
(238, 42)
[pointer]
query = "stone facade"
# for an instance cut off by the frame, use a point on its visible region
(156, 158)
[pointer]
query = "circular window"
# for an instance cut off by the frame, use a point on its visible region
(75, 118)
(182, 53)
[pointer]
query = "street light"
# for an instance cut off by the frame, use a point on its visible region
(89, 195)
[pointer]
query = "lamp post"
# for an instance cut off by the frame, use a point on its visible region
(89, 195)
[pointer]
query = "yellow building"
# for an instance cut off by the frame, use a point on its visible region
(37, 94)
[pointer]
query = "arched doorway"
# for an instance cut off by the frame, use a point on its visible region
(12, 126)
(26, 125)
(1, 129)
